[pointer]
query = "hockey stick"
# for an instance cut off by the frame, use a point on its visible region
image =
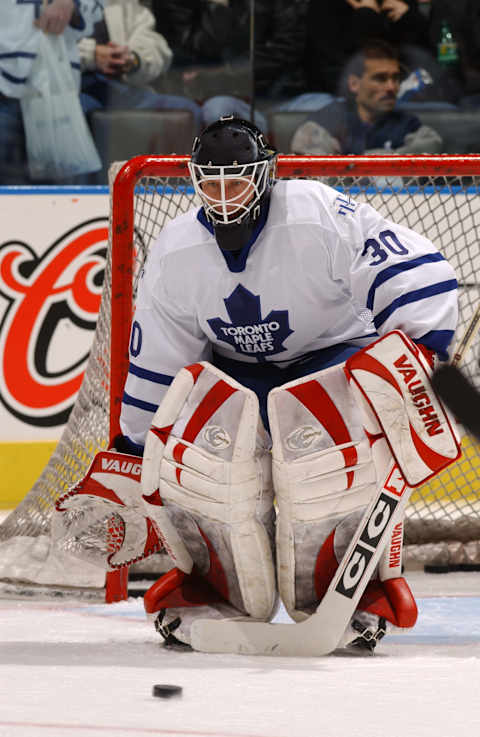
(460, 396)
(321, 633)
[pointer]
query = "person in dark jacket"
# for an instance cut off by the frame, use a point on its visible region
(202, 32)
(338, 29)
(367, 121)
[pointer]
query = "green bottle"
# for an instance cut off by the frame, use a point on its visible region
(447, 48)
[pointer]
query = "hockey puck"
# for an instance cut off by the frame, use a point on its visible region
(166, 690)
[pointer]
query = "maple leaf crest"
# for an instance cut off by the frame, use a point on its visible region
(248, 332)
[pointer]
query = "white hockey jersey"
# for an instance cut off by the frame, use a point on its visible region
(323, 270)
(19, 39)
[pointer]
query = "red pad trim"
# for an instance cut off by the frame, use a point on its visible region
(429, 457)
(94, 488)
(177, 589)
(195, 369)
(178, 452)
(391, 599)
(368, 363)
(152, 543)
(154, 498)
(162, 432)
(214, 399)
(314, 397)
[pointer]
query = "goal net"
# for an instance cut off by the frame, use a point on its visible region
(438, 196)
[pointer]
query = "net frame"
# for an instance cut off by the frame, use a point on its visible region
(117, 300)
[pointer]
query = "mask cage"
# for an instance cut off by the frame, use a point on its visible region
(257, 174)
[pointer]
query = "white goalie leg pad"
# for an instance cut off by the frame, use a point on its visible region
(391, 381)
(324, 477)
(102, 518)
(206, 482)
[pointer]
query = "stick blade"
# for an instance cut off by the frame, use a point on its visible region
(245, 637)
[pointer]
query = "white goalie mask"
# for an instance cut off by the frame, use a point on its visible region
(228, 193)
(232, 169)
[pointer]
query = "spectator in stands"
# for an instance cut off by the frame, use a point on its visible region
(367, 121)
(21, 25)
(337, 30)
(217, 32)
(122, 57)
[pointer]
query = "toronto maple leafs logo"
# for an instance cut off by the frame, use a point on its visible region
(249, 332)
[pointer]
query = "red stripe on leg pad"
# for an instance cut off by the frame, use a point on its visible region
(211, 402)
(162, 432)
(314, 397)
(178, 452)
(195, 369)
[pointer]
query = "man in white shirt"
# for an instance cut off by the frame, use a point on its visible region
(21, 25)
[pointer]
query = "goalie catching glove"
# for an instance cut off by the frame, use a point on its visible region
(102, 518)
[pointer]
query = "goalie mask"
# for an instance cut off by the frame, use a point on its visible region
(232, 169)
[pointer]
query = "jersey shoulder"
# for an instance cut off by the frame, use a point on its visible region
(306, 201)
(182, 232)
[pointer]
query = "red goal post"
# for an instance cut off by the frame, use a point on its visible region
(438, 196)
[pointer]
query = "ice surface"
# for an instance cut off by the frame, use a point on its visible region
(71, 668)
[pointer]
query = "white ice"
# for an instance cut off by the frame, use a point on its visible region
(87, 670)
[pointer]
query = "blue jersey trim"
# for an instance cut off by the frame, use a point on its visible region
(126, 445)
(154, 376)
(12, 79)
(139, 403)
(18, 55)
(392, 271)
(415, 296)
(438, 341)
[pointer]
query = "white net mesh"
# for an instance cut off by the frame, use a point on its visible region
(443, 518)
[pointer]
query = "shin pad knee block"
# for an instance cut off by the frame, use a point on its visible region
(207, 467)
(323, 476)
